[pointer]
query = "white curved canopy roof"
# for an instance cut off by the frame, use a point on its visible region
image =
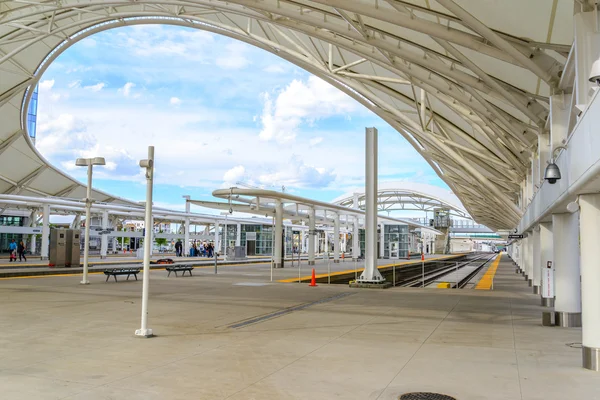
(409, 196)
(466, 82)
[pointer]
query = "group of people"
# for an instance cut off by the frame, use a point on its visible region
(199, 249)
(202, 249)
(17, 249)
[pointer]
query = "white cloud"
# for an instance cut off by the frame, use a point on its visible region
(75, 84)
(298, 174)
(233, 56)
(234, 174)
(299, 103)
(95, 88)
(126, 89)
(46, 89)
(315, 141)
(46, 85)
(275, 69)
(175, 101)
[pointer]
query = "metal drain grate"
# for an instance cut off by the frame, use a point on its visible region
(425, 396)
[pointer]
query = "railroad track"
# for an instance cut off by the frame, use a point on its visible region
(414, 277)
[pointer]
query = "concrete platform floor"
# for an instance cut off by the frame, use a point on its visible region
(238, 336)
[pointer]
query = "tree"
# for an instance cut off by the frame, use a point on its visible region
(161, 241)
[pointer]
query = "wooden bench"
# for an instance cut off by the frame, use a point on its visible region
(179, 268)
(121, 271)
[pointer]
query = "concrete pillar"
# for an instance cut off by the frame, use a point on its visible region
(336, 238)
(381, 239)
(355, 232)
(524, 255)
(326, 250)
(589, 236)
(311, 236)
(371, 274)
(104, 237)
(186, 232)
(33, 224)
(217, 238)
(547, 283)
(46, 232)
(567, 277)
(186, 238)
(277, 252)
(238, 233)
(536, 266)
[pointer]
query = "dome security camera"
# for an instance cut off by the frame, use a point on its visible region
(552, 173)
(595, 73)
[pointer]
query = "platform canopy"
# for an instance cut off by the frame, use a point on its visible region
(407, 196)
(466, 82)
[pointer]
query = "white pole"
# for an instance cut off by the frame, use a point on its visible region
(144, 331)
(88, 205)
(186, 233)
(45, 232)
(371, 274)
(311, 236)
(277, 231)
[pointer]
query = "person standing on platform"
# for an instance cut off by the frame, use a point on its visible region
(178, 247)
(21, 251)
(13, 249)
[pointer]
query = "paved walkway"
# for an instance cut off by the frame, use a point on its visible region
(238, 336)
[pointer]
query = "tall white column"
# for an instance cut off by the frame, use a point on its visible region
(104, 237)
(536, 276)
(381, 239)
(311, 236)
(336, 238)
(148, 164)
(278, 256)
(45, 232)
(371, 274)
(238, 233)
(546, 255)
(32, 241)
(355, 232)
(567, 278)
(186, 232)
(217, 238)
(589, 236)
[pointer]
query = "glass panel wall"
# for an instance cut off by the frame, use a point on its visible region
(264, 238)
(6, 238)
(395, 241)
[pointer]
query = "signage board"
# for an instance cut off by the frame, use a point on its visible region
(548, 281)
(515, 236)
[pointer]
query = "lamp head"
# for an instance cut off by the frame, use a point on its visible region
(552, 173)
(98, 161)
(81, 162)
(595, 72)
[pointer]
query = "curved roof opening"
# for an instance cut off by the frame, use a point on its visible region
(465, 82)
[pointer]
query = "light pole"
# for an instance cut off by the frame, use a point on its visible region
(89, 163)
(148, 164)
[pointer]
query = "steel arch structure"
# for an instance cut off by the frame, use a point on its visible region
(466, 82)
(406, 200)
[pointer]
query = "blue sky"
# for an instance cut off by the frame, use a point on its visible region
(217, 110)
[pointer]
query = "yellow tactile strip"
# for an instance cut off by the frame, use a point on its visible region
(486, 281)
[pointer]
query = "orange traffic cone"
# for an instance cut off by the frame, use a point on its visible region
(313, 281)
